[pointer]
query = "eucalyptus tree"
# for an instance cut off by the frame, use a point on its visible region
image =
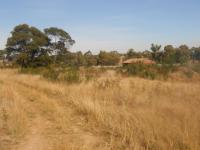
(27, 45)
(60, 40)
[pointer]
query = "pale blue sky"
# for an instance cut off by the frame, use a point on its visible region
(108, 24)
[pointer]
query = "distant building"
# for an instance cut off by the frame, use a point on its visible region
(144, 61)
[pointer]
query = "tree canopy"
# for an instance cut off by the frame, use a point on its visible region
(59, 38)
(30, 47)
(108, 58)
(27, 44)
(155, 52)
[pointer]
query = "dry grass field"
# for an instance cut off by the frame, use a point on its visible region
(109, 113)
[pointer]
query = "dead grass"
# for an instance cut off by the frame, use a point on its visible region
(109, 113)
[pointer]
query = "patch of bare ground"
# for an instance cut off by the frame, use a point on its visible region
(35, 139)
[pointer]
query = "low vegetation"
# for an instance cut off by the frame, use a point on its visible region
(110, 112)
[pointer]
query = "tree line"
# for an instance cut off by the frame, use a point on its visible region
(30, 47)
(168, 55)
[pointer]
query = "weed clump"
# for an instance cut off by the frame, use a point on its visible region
(106, 83)
(70, 76)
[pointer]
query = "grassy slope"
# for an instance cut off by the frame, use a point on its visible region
(109, 113)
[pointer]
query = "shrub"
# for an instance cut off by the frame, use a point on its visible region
(71, 76)
(141, 70)
(108, 58)
(51, 74)
(54, 73)
(165, 69)
(135, 69)
(149, 74)
(149, 71)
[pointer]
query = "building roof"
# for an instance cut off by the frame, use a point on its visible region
(139, 60)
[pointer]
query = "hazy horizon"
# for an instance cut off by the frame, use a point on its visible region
(109, 25)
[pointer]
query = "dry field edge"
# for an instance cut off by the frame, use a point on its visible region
(109, 113)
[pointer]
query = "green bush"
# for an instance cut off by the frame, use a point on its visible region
(141, 70)
(149, 74)
(149, 71)
(71, 76)
(51, 74)
(135, 69)
(165, 69)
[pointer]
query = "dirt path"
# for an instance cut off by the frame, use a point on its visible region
(35, 140)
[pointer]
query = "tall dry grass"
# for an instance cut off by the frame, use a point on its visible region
(108, 113)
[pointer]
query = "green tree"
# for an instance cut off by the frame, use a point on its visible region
(72, 59)
(28, 44)
(146, 54)
(169, 56)
(90, 59)
(131, 54)
(156, 54)
(80, 59)
(182, 54)
(60, 40)
(195, 53)
(108, 58)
